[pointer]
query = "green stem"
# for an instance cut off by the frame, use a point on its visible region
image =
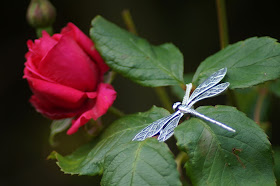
(93, 128)
(164, 98)
(111, 76)
(224, 38)
(116, 111)
(222, 21)
(231, 98)
(47, 29)
(129, 21)
(258, 108)
(180, 159)
(160, 91)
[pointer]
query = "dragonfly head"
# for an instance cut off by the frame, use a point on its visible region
(176, 105)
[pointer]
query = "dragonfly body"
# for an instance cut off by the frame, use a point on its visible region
(165, 126)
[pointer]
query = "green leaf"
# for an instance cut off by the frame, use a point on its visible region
(58, 126)
(135, 58)
(274, 87)
(254, 102)
(249, 63)
(276, 156)
(219, 157)
(246, 100)
(89, 159)
(147, 162)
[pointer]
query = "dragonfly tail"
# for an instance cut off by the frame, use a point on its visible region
(197, 114)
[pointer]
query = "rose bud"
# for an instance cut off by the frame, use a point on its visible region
(40, 13)
(65, 73)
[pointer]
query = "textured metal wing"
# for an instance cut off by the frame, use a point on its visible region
(210, 92)
(154, 128)
(168, 131)
(208, 83)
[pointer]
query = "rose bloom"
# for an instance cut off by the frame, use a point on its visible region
(65, 73)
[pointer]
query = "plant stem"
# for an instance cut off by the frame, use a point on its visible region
(181, 158)
(47, 29)
(224, 38)
(222, 21)
(131, 28)
(231, 98)
(160, 91)
(116, 111)
(164, 98)
(259, 104)
(111, 76)
(128, 21)
(93, 128)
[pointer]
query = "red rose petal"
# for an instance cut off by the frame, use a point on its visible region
(51, 111)
(87, 44)
(105, 98)
(31, 72)
(67, 64)
(56, 94)
(40, 48)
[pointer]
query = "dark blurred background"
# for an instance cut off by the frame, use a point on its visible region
(190, 24)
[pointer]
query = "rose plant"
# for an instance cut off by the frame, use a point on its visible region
(65, 73)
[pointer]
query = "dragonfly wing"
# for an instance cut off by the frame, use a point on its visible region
(168, 131)
(153, 128)
(210, 92)
(214, 79)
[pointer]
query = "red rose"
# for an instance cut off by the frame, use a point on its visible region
(65, 73)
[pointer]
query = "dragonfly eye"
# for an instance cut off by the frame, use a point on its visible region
(176, 105)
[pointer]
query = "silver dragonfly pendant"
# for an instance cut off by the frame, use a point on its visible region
(165, 126)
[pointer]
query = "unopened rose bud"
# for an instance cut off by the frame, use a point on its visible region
(40, 13)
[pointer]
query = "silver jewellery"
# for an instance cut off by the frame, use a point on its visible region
(165, 126)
